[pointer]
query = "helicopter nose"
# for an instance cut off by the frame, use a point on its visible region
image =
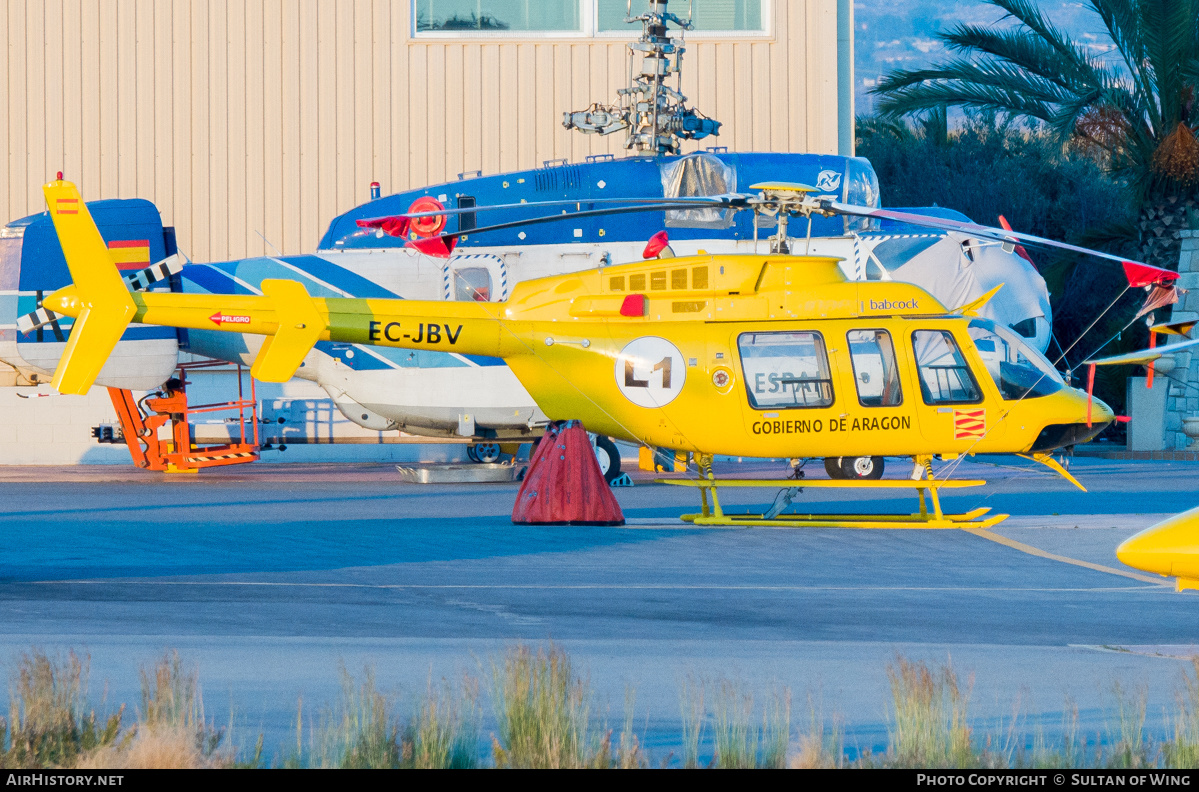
(1101, 413)
(1169, 548)
(1077, 428)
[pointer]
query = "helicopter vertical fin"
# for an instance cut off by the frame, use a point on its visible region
(300, 326)
(106, 307)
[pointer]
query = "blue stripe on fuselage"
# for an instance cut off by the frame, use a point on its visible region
(218, 278)
(212, 280)
(339, 277)
(479, 360)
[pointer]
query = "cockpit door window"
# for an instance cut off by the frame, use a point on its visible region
(945, 377)
(875, 372)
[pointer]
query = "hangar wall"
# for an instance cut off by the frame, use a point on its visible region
(244, 116)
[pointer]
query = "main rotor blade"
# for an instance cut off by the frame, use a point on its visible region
(1142, 356)
(570, 216)
(727, 200)
(973, 229)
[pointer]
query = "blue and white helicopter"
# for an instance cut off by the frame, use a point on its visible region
(439, 394)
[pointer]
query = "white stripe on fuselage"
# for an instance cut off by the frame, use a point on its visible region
(312, 277)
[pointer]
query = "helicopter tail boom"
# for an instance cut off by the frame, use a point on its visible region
(292, 320)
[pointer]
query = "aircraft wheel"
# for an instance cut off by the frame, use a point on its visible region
(470, 454)
(486, 453)
(862, 468)
(608, 456)
(832, 466)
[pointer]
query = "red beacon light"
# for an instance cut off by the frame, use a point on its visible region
(658, 246)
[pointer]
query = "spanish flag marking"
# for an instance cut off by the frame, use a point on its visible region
(130, 254)
(65, 206)
(969, 424)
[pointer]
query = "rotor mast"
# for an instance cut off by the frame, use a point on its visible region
(656, 116)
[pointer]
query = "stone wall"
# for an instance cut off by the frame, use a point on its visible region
(1183, 395)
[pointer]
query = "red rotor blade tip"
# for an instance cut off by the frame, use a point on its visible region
(1144, 275)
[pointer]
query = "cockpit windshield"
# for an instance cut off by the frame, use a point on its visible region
(1019, 370)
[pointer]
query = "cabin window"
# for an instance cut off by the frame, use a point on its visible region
(467, 221)
(875, 372)
(785, 370)
(472, 284)
(1019, 371)
(944, 376)
(478, 18)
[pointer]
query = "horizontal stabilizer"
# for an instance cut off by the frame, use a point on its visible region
(300, 327)
(93, 337)
(137, 281)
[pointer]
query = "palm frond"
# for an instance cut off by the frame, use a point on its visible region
(930, 95)
(1175, 42)
(1026, 50)
(1124, 22)
(1030, 16)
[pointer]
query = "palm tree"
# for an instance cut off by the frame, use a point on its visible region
(1136, 108)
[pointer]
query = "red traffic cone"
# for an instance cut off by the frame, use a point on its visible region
(564, 485)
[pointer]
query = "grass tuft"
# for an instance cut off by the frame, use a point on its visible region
(172, 732)
(929, 717)
(820, 746)
(691, 705)
(542, 711)
(361, 732)
(1126, 735)
(1183, 750)
(735, 733)
(445, 732)
(49, 723)
(629, 753)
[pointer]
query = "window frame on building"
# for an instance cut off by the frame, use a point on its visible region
(589, 27)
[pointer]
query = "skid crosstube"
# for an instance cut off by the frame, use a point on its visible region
(927, 490)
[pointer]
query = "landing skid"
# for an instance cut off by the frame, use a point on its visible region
(927, 491)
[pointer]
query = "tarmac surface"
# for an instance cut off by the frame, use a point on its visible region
(270, 577)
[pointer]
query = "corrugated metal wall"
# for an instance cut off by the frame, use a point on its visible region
(240, 117)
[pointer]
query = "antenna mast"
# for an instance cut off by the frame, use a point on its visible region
(655, 115)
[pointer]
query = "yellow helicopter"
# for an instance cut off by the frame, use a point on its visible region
(771, 355)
